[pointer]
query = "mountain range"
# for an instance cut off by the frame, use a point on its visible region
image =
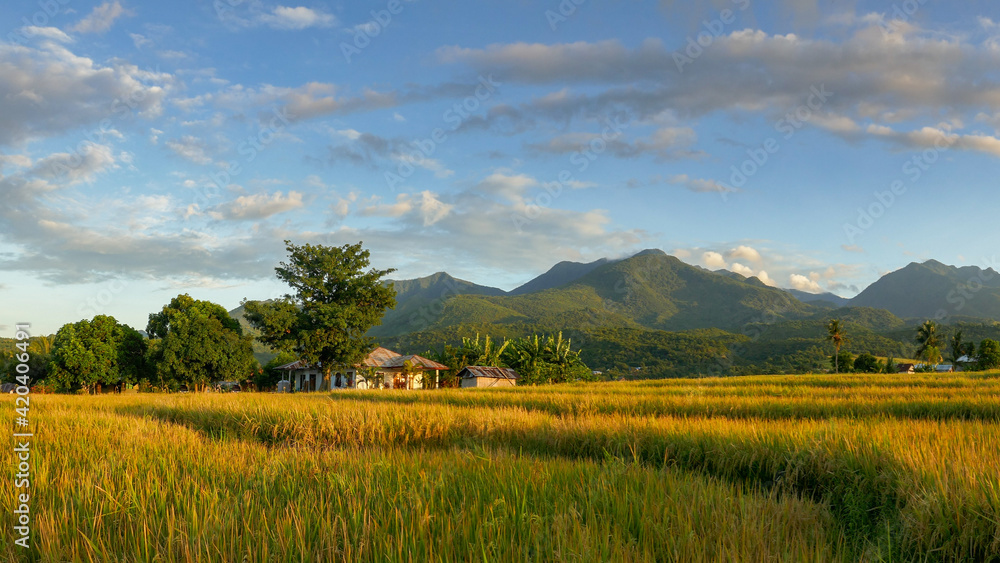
(656, 291)
(654, 310)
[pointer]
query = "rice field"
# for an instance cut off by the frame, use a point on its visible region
(776, 468)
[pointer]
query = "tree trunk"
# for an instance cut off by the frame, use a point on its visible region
(325, 386)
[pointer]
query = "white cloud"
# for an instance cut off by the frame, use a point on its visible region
(802, 283)
(140, 40)
(53, 33)
(287, 18)
(713, 260)
(101, 18)
(741, 269)
(259, 206)
(77, 167)
(745, 252)
(762, 276)
(699, 185)
(190, 148)
(49, 90)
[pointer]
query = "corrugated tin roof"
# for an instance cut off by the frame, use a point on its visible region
(378, 357)
(417, 361)
(487, 371)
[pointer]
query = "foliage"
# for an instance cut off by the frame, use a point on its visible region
(836, 335)
(988, 356)
(39, 356)
(548, 360)
(336, 298)
(931, 355)
(269, 377)
(99, 351)
(890, 365)
(198, 343)
(927, 337)
(958, 348)
(842, 362)
(867, 363)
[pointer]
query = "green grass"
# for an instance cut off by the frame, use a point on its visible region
(787, 468)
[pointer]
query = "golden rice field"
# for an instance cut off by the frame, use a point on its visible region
(777, 468)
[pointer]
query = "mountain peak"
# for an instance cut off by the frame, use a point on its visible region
(650, 251)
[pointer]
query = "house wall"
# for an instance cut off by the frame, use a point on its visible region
(483, 382)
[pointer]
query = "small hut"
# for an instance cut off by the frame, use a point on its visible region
(487, 376)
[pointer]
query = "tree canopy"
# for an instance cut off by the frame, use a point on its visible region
(989, 354)
(927, 337)
(98, 351)
(335, 299)
(198, 343)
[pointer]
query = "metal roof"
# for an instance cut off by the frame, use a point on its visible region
(417, 361)
(377, 358)
(487, 371)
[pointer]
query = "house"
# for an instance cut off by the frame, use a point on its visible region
(486, 376)
(381, 368)
(965, 362)
(906, 368)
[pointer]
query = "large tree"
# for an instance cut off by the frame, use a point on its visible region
(989, 355)
(199, 343)
(336, 298)
(98, 351)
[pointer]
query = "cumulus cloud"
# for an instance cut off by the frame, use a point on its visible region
(376, 152)
(762, 276)
(802, 283)
(741, 269)
(287, 18)
(48, 90)
(316, 99)
(101, 18)
(746, 253)
(870, 78)
(258, 206)
(713, 259)
(426, 206)
(73, 168)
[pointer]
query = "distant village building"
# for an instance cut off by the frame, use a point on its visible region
(487, 376)
(962, 363)
(381, 368)
(906, 368)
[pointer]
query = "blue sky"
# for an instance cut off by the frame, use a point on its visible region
(152, 149)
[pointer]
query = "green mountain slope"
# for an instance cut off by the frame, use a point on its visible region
(933, 289)
(649, 290)
(560, 274)
(420, 302)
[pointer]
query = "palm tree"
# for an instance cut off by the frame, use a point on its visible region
(836, 334)
(927, 337)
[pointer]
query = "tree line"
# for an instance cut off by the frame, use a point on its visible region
(960, 353)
